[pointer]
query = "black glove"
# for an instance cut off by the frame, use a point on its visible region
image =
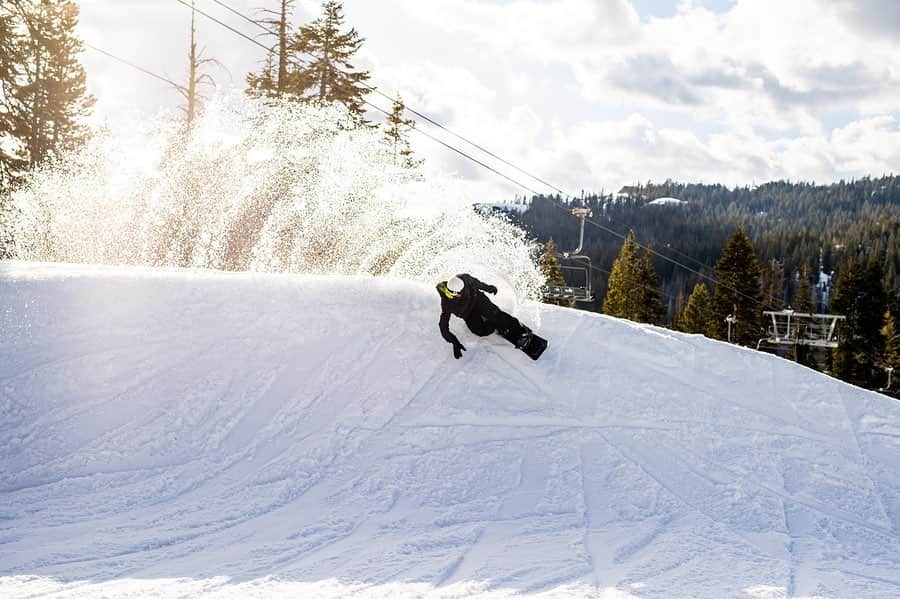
(490, 289)
(458, 349)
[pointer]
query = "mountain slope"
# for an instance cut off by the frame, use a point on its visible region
(174, 433)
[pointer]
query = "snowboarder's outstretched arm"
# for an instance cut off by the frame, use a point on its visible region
(481, 286)
(444, 325)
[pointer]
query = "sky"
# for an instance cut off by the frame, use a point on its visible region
(585, 94)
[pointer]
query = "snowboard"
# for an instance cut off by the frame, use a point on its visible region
(535, 347)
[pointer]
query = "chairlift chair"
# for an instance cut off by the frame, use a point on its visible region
(799, 328)
(579, 263)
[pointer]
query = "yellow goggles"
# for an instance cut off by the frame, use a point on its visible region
(447, 293)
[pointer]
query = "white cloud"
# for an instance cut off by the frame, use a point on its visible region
(634, 149)
(545, 30)
(587, 93)
(764, 63)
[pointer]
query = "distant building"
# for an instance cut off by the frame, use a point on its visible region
(629, 191)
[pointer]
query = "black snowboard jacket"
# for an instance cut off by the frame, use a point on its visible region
(470, 301)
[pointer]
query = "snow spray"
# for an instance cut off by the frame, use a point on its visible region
(263, 186)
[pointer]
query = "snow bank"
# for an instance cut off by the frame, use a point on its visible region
(190, 433)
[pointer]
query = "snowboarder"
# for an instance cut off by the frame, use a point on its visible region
(464, 296)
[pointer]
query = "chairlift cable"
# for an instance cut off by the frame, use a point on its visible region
(672, 260)
(225, 25)
(596, 224)
(442, 127)
(461, 153)
(647, 287)
(421, 115)
(133, 66)
(243, 16)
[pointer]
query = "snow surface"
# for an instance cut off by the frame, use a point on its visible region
(666, 202)
(191, 433)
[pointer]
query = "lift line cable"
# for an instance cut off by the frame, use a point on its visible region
(377, 91)
(378, 108)
(454, 134)
(465, 155)
(647, 287)
(225, 25)
(646, 248)
(699, 263)
(475, 160)
(133, 66)
(561, 206)
(243, 16)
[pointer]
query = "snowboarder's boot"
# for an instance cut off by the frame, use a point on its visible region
(525, 340)
(534, 346)
(517, 335)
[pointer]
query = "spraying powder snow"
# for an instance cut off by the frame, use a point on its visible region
(277, 187)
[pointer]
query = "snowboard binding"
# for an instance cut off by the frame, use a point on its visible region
(531, 344)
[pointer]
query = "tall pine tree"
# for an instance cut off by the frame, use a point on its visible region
(773, 286)
(803, 296)
(54, 96)
(623, 298)
(549, 266)
(697, 313)
(891, 334)
(396, 134)
(652, 308)
(12, 123)
(738, 292)
(862, 298)
(803, 303)
(633, 287)
(326, 73)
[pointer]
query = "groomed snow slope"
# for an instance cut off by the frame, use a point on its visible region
(169, 433)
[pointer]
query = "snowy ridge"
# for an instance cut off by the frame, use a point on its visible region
(190, 433)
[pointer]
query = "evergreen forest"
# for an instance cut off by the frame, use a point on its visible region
(791, 225)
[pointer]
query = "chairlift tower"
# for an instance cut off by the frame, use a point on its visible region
(579, 264)
(731, 320)
(889, 370)
(787, 327)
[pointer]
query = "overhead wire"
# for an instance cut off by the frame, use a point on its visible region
(647, 287)
(647, 248)
(134, 66)
(464, 154)
(489, 153)
(481, 148)
(243, 16)
(224, 24)
(378, 108)
(379, 92)
(415, 112)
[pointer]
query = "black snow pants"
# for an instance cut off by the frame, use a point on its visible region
(487, 318)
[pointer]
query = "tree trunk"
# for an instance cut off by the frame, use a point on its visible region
(282, 49)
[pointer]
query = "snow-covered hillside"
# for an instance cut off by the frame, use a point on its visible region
(191, 433)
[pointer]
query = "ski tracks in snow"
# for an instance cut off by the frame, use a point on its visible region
(299, 431)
